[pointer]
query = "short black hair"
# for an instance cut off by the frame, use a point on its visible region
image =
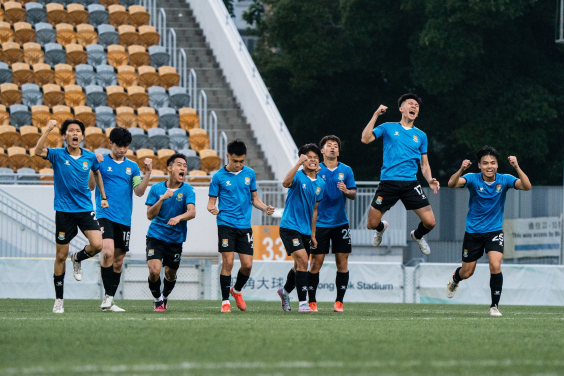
(68, 122)
(175, 156)
(487, 150)
(310, 147)
(236, 147)
(407, 96)
(120, 136)
(329, 138)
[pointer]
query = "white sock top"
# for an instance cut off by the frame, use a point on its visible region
(225, 302)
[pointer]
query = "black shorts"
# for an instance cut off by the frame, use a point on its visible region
(294, 241)
(390, 191)
(170, 254)
(67, 225)
(117, 232)
(231, 239)
(474, 245)
(339, 237)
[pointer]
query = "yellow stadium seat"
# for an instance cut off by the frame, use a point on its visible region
(85, 115)
(29, 136)
(116, 96)
(198, 139)
(128, 35)
(37, 162)
(33, 54)
(52, 95)
(138, 15)
(94, 138)
(43, 74)
(209, 160)
(108, 131)
(18, 158)
(64, 75)
(22, 74)
(76, 54)
(56, 14)
(3, 158)
(10, 94)
(54, 140)
(86, 34)
(158, 176)
(46, 171)
(77, 14)
(125, 117)
(131, 155)
(61, 113)
(195, 176)
(138, 56)
(146, 153)
(65, 34)
(168, 77)
(148, 36)
(189, 119)
(9, 136)
(13, 53)
(163, 156)
(4, 116)
(118, 15)
(6, 32)
(117, 55)
(40, 116)
(138, 97)
(148, 76)
(14, 12)
(74, 96)
(147, 118)
(23, 33)
(127, 76)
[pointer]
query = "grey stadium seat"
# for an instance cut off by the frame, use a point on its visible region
(55, 54)
(102, 151)
(45, 33)
(5, 73)
(98, 15)
(158, 97)
(27, 174)
(35, 13)
(96, 55)
(179, 98)
(139, 139)
(10, 179)
(158, 139)
(106, 75)
(177, 139)
(20, 115)
(31, 95)
(85, 75)
(95, 96)
(168, 118)
(105, 117)
(107, 35)
(158, 56)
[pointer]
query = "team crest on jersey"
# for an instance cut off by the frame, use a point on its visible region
(85, 165)
(128, 171)
(465, 253)
(247, 180)
(179, 197)
(318, 191)
(498, 188)
(225, 243)
(151, 252)
(415, 138)
(295, 242)
(379, 200)
(341, 176)
(61, 236)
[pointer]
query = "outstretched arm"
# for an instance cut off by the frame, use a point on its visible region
(523, 182)
(426, 171)
(455, 180)
(367, 135)
(40, 148)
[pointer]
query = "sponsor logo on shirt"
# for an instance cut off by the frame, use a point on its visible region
(379, 200)
(481, 189)
(323, 177)
(247, 180)
(67, 162)
(341, 176)
(128, 171)
(110, 169)
(295, 242)
(465, 253)
(318, 191)
(61, 236)
(396, 134)
(498, 188)
(227, 183)
(179, 197)
(415, 138)
(151, 252)
(85, 165)
(224, 243)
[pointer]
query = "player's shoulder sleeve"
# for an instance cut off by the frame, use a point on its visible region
(509, 181)
(253, 180)
(52, 154)
(423, 143)
(380, 130)
(153, 195)
(93, 159)
(296, 180)
(135, 174)
(469, 180)
(321, 185)
(190, 194)
(349, 178)
(214, 185)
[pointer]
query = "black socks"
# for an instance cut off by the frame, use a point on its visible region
(456, 276)
(225, 283)
(108, 279)
(168, 286)
(240, 282)
(82, 255)
(115, 284)
(380, 227)
(155, 288)
(312, 281)
(290, 281)
(496, 283)
(341, 282)
(59, 282)
(301, 285)
(421, 231)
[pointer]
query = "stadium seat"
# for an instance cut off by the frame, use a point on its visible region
(107, 35)
(148, 76)
(40, 116)
(33, 53)
(148, 36)
(168, 77)
(26, 174)
(189, 119)
(163, 156)
(23, 33)
(147, 118)
(159, 56)
(139, 138)
(127, 76)
(118, 15)
(128, 35)
(179, 98)
(158, 97)
(177, 139)
(36, 162)
(193, 160)
(106, 75)
(96, 55)
(116, 55)
(146, 153)
(35, 13)
(31, 95)
(158, 176)
(117, 97)
(76, 54)
(13, 12)
(45, 33)
(195, 176)
(55, 54)
(85, 75)
(5, 73)
(86, 35)
(97, 15)
(85, 115)
(10, 94)
(29, 136)
(94, 138)
(43, 74)
(4, 162)
(21, 74)
(64, 75)
(9, 136)
(54, 140)
(158, 139)
(6, 32)
(61, 113)
(105, 117)
(74, 96)
(18, 158)
(102, 151)
(4, 115)
(168, 118)
(5, 173)
(125, 117)
(138, 56)
(65, 34)
(209, 161)
(56, 14)
(137, 97)
(199, 139)
(77, 14)
(46, 171)
(131, 156)
(12, 53)
(53, 95)
(138, 16)
(95, 96)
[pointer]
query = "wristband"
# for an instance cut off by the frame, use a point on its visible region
(105, 198)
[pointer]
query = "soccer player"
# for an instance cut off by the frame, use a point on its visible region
(405, 147)
(297, 227)
(484, 221)
(121, 179)
(170, 204)
(73, 200)
(332, 227)
(235, 186)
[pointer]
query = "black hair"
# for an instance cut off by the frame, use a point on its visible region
(236, 147)
(175, 156)
(68, 122)
(120, 136)
(310, 147)
(407, 96)
(487, 150)
(329, 138)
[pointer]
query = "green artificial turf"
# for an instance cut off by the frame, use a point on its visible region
(194, 338)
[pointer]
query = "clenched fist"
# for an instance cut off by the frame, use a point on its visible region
(381, 110)
(168, 194)
(465, 164)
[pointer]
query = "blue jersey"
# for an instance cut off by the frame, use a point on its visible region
(173, 207)
(487, 202)
(402, 151)
(234, 192)
(331, 212)
(71, 175)
(302, 196)
(119, 180)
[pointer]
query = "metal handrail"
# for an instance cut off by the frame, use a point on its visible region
(182, 70)
(172, 48)
(161, 27)
(213, 130)
(193, 87)
(223, 147)
(203, 110)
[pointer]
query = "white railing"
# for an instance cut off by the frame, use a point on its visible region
(560, 25)
(151, 8)
(172, 48)
(212, 131)
(193, 87)
(182, 69)
(223, 147)
(161, 26)
(203, 109)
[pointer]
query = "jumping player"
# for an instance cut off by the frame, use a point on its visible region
(405, 147)
(170, 204)
(484, 221)
(121, 179)
(73, 200)
(297, 227)
(332, 227)
(235, 186)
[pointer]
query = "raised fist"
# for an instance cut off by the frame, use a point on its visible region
(381, 110)
(168, 194)
(465, 164)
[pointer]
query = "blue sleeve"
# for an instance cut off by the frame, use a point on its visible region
(95, 163)
(214, 186)
(51, 154)
(349, 179)
(320, 195)
(136, 171)
(295, 179)
(469, 182)
(253, 182)
(423, 146)
(191, 196)
(379, 130)
(510, 181)
(153, 196)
